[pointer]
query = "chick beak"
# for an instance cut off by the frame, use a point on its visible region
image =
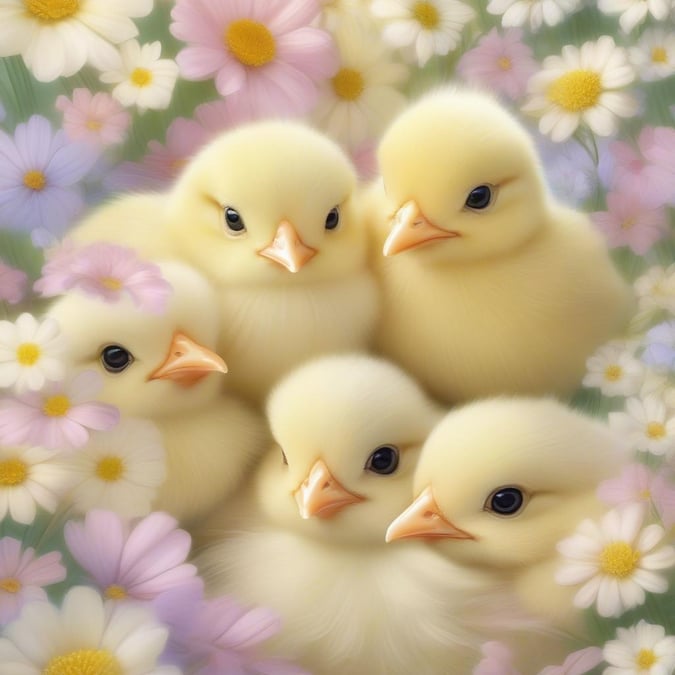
(412, 229)
(187, 362)
(423, 519)
(321, 495)
(287, 249)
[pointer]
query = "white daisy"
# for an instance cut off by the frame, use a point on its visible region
(646, 424)
(580, 86)
(142, 78)
(360, 100)
(614, 370)
(30, 353)
(120, 470)
(57, 37)
(427, 26)
(30, 477)
(655, 289)
(634, 12)
(518, 12)
(654, 55)
(87, 635)
(615, 561)
(643, 649)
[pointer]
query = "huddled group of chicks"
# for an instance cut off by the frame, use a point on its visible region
(406, 341)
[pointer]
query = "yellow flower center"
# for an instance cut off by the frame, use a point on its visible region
(93, 125)
(613, 373)
(426, 14)
(13, 472)
(110, 468)
(504, 62)
(618, 559)
(659, 55)
(646, 495)
(645, 659)
(113, 283)
(628, 223)
(656, 430)
(348, 84)
(115, 592)
(27, 354)
(250, 42)
(141, 77)
(84, 662)
(10, 585)
(52, 10)
(576, 91)
(34, 180)
(56, 406)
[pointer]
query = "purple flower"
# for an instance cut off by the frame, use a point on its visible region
(12, 284)
(660, 350)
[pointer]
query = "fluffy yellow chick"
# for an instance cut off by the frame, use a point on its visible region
(489, 286)
(309, 541)
(267, 212)
(163, 368)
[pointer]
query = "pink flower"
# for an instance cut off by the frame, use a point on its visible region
(95, 118)
(660, 173)
(577, 663)
(631, 221)
(266, 57)
(12, 284)
(637, 483)
(502, 63)
(497, 660)
(106, 271)
(139, 562)
(22, 576)
(58, 416)
(365, 159)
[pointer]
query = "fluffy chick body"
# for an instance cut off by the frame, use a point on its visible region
(510, 298)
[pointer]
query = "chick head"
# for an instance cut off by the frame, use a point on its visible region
(269, 203)
(151, 365)
(347, 431)
(463, 177)
(499, 482)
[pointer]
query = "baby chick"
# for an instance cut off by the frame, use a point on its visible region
(159, 368)
(310, 538)
(489, 286)
(267, 212)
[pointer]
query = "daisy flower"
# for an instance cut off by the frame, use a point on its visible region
(143, 79)
(634, 12)
(106, 271)
(499, 62)
(87, 635)
(120, 469)
(138, 562)
(655, 289)
(95, 118)
(30, 477)
(22, 576)
(41, 171)
(646, 425)
(58, 417)
(642, 649)
(519, 12)
(616, 561)
(660, 350)
(57, 37)
(580, 86)
(361, 99)
(614, 370)
(577, 663)
(654, 55)
(267, 58)
(427, 27)
(12, 284)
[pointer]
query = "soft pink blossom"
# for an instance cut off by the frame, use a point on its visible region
(577, 663)
(500, 63)
(57, 417)
(497, 660)
(364, 158)
(660, 172)
(12, 284)
(106, 271)
(280, 80)
(95, 118)
(22, 576)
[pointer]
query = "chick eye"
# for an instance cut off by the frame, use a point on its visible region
(333, 218)
(505, 501)
(479, 198)
(383, 460)
(234, 222)
(115, 359)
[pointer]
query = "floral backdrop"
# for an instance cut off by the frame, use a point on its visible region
(99, 97)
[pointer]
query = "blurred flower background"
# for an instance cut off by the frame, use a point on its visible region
(98, 97)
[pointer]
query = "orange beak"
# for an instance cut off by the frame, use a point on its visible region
(321, 495)
(287, 249)
(423, 520)
(411, 229)
(187, 362)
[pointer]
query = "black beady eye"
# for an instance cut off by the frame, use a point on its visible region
(233, 221)
(333, 218)
(115, 359)
(479, 198)
(383, 460)
(505, 501)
